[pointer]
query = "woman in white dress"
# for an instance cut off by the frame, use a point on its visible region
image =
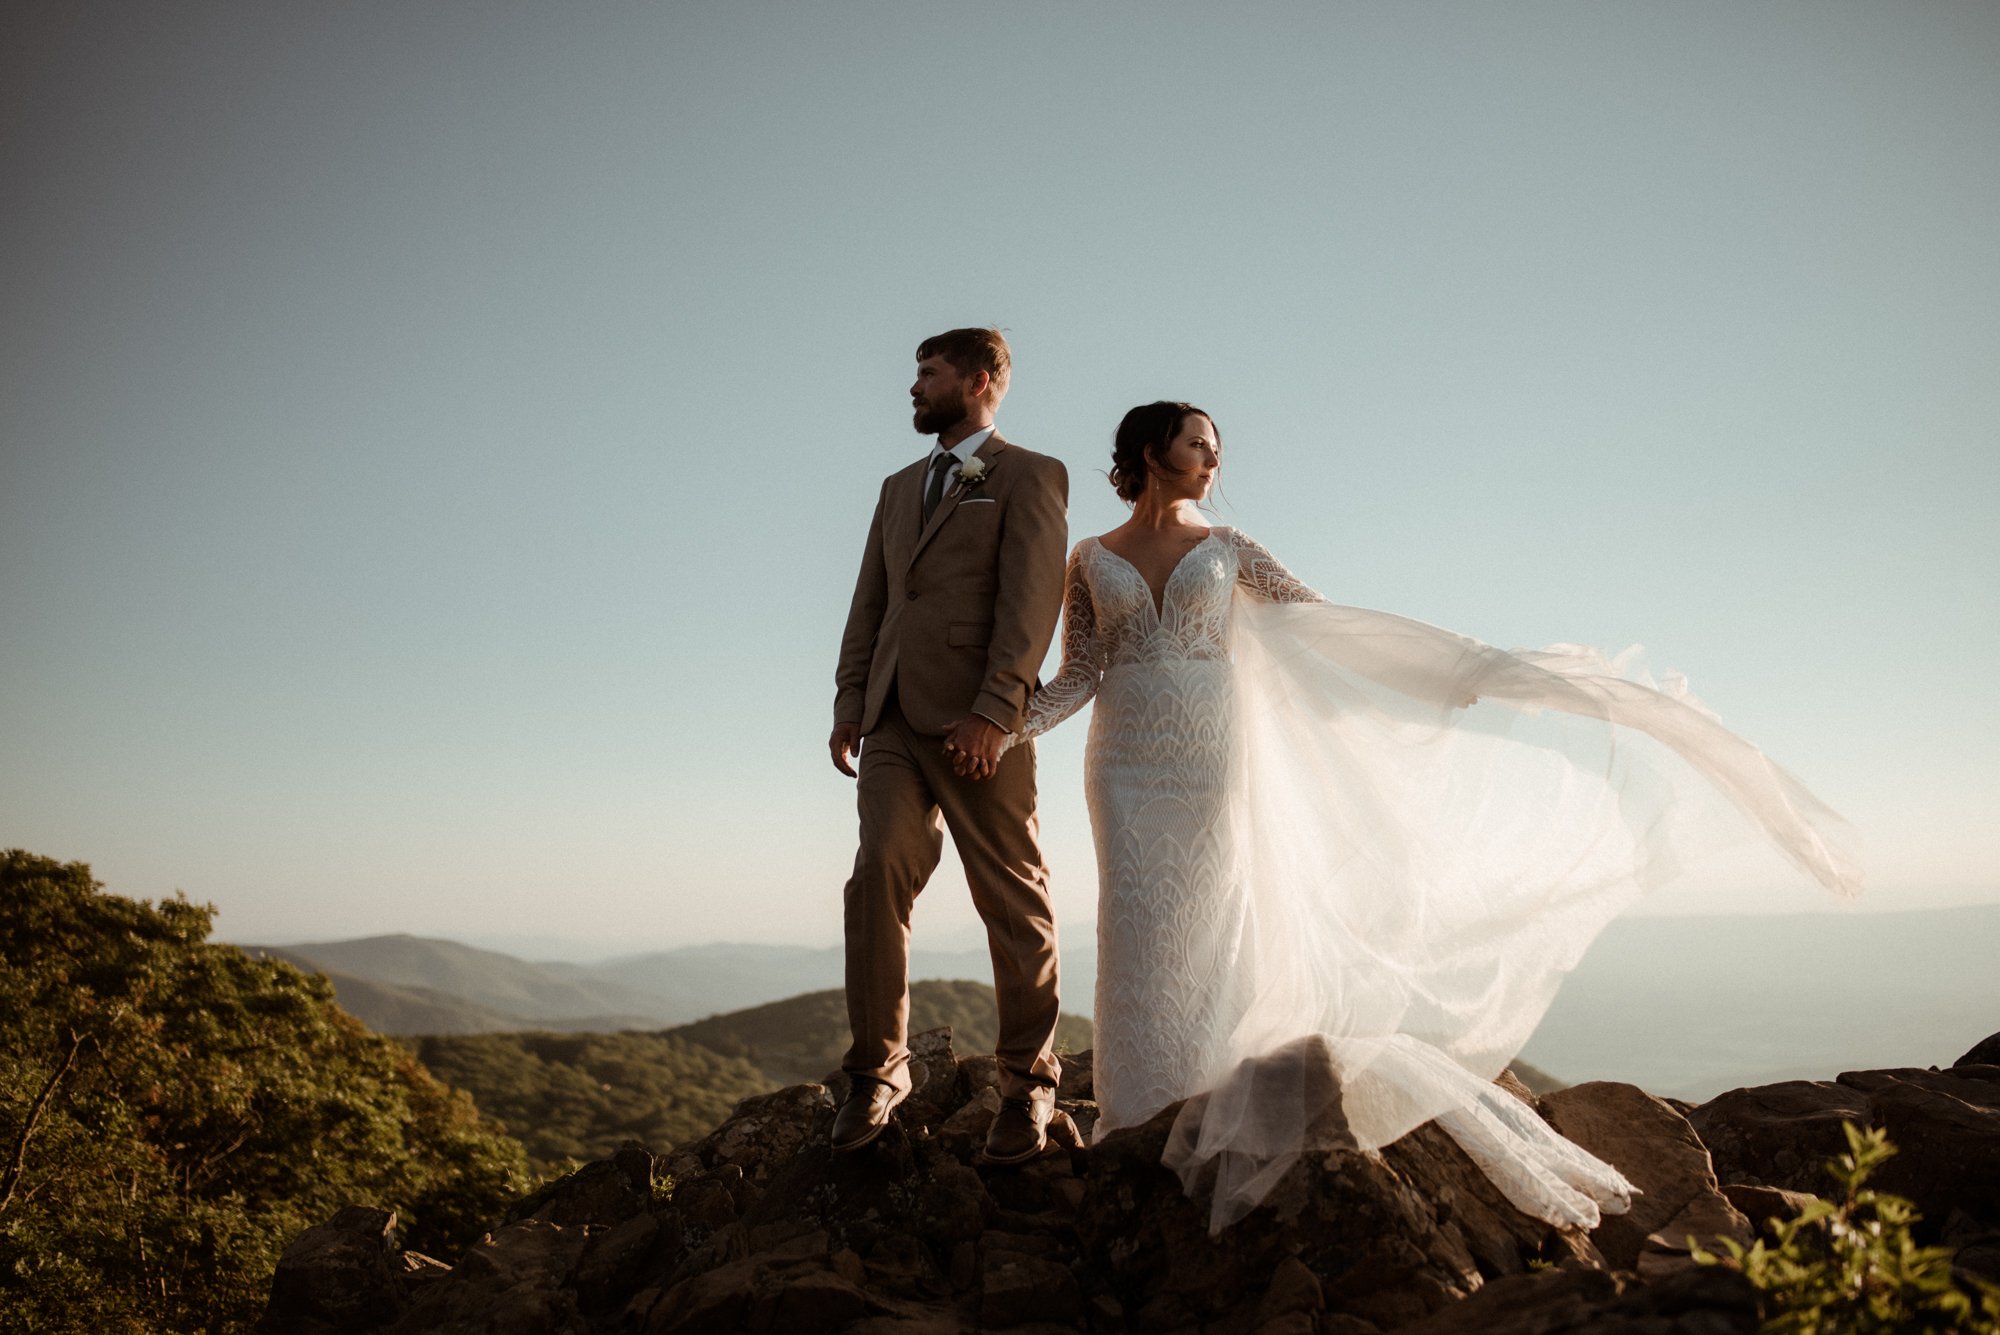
(1334, 896)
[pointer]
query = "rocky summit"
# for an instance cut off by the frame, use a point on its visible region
(758, 1228)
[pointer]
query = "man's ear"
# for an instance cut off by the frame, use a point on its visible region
(981, 385)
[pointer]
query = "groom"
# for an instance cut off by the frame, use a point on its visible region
(960, 585)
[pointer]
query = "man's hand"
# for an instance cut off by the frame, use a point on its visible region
(846, 741)
(974, 745)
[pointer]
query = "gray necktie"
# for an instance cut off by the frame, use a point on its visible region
(935, 491)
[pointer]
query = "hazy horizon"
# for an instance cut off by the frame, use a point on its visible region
(965, 937)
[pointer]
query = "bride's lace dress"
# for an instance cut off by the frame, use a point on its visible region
(1334, 901)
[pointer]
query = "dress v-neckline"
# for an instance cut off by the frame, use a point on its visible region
(1159, 599)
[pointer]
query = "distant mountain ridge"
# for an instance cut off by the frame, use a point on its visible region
(1685, 1006)
(403, 984)
(497, 985)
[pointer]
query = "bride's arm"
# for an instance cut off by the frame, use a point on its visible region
(1264, 577)
(1419, 661)
(1082, 664)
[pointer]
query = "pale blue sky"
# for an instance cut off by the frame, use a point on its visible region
(438, 439)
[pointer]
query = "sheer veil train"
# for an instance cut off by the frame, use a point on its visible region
(1427, 833)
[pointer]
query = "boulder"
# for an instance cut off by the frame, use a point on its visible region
(1079, 1071)
(760, 1227)
(338, 1277)
(1707, 1300)
(1016, 1288)
(609, 1191)
(1946, 1129)
(762, 1133)
(1986, 1052)
(1658, 1152)
(514, 1282)
(1945, 1126)
(1763, 1206)
(1388, 1239)
(1778, 1135)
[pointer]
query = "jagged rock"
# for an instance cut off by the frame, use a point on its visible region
(937, 1081)
(965, 1130)
(1487, 1235)
(1016, 1288)
(1986, 1052)
(1707, 1300)
(514, 1282)
(1946, 1129)
(1079, 1075)
(980, 1072)
(1761, 1205)
(338, 1277)
(761, 1133)
(1945, 1126)
(1975, 1246)
(759, 1227)
(1383, 1251)
(1778, 1135)
(618, 1260)
(609, 1191)
(1658, 1152)
(937, 1087)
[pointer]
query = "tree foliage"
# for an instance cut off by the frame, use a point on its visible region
(576, 1097)
(173, 1111)
(1851, 1266)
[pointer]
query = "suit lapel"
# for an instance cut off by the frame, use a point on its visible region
(904, 510)
(989, 452)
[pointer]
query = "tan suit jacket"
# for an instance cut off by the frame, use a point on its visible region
(956, 615)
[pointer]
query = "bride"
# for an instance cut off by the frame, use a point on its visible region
(1345, 858)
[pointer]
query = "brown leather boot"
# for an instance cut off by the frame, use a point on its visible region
(865, 1113)
(1019, 1131)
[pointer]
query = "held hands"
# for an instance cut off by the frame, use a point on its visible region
(974, 745)
(846, 741)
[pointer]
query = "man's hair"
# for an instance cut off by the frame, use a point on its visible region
(970, 351)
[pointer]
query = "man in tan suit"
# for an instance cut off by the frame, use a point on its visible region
(960, 586)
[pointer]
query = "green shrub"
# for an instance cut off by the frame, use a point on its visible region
(173, 1112)
(1850, 1266)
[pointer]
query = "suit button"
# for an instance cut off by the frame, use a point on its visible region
(911, 595)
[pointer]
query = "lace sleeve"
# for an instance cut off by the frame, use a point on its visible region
(1265, 577)
(1082, 663)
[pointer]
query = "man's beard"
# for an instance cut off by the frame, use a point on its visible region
(936, 418)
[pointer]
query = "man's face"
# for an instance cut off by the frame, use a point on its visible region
(937, 398)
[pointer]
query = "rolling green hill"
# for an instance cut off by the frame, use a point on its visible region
(802, 1038)
(570, 1097)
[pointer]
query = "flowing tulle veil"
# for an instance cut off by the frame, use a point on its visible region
(1419, 875)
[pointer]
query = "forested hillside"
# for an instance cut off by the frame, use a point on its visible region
(574, 1097)
(174, 1111)
(571, 1097)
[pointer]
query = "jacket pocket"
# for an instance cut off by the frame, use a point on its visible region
(968, 634)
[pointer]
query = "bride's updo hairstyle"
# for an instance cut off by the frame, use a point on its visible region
(1142, 440)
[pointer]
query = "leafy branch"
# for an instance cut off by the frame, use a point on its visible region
(1851, 1266)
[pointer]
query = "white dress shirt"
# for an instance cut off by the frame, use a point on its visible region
(961, 452)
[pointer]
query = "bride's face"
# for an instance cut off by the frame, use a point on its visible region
(1190, 462)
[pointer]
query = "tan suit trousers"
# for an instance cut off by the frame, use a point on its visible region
(908, 797)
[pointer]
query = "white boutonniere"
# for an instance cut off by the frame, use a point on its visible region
(971, 473)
